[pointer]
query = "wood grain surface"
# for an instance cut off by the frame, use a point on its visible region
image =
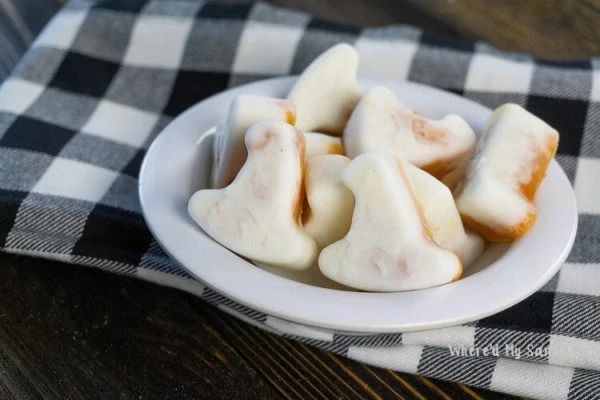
(68, 332)
(555, 29)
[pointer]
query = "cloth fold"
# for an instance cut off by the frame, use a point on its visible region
(104, 77)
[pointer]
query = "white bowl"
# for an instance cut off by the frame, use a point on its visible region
(178, 163)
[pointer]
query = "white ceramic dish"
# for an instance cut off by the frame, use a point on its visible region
(178, 163)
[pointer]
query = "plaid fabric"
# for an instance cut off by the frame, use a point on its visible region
(104, 78)
(20, 22)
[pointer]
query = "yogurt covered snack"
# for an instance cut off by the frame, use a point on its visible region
(363, 191)
(330, 203)
(229, 151)
(496, 195)
(327, 91)
(389, 246)
(380, 123)
(259, 214)
(319, 144)
(442, 218)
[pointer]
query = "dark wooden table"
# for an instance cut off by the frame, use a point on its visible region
(76, 333)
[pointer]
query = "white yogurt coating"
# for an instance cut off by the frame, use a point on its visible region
(327, 91)
(455, 176)
(380, 123)
(318, 144)
(229, 149)
(505, 159)
(387, 247)
(442, 217)
(258, 214)
(330, 202)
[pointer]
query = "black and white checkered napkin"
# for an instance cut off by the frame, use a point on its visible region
(105, 77)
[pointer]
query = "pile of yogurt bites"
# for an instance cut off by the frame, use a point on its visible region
(361, 189)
